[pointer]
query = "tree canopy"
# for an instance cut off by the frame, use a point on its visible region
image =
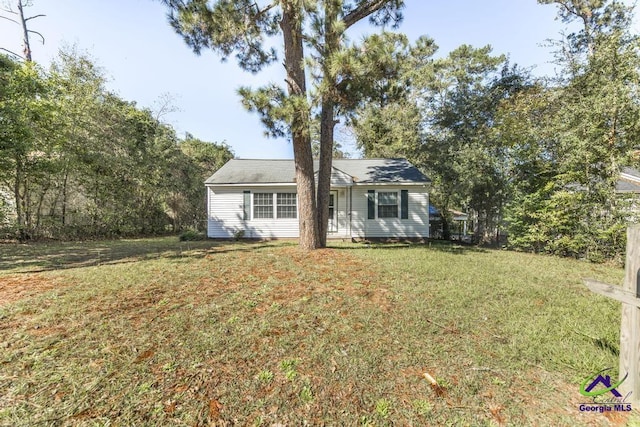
(77, 161)
(534, 161)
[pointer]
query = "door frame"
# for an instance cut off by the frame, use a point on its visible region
(333, 219)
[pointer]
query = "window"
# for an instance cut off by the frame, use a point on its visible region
(287, 206)
(331, 206)
(333, 224)
(263, 205)
(387, 204)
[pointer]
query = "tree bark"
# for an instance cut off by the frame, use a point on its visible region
(64, 198)
(25, 33)
(325, 167)
(327, 120)
(18, 198)
(291, 25)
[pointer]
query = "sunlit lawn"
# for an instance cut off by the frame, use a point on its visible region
(157, 332)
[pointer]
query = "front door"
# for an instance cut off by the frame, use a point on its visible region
(333, 212)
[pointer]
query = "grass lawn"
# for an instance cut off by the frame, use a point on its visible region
(159, 332)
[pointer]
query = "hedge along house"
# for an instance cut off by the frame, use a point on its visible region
(370, 198)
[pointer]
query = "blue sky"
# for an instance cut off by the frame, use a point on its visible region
(144, 58)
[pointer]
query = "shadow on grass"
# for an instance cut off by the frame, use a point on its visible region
(46, 256)
(437, 245)
(607, 346)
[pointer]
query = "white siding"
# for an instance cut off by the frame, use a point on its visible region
(417, 225)
(340, 179)
(225, 205)
(226, 211)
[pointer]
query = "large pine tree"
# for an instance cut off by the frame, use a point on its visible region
(241, 27)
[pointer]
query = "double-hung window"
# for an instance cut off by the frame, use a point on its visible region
(263, 205)
(387, 204)
(287, 206)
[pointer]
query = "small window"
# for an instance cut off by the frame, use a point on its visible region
(287, 206)
(387, 204)
(263, 205)
(331, 206)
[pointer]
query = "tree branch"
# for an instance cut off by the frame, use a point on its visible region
(294, 87)
(9, 19)
(35, 32)
(8, 10)
(12, 53)
(363, 10)
(34, 17)
(261, 13)
(568, 8)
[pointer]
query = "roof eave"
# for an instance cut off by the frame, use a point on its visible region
(392, 183)
(249, 184)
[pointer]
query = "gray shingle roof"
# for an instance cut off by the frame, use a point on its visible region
(624, 186)
(630, 183)
(245, 171)
(631, 171)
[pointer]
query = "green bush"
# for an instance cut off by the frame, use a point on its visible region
(191, 234)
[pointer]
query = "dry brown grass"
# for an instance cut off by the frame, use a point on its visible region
(264, 334)
(20, 286)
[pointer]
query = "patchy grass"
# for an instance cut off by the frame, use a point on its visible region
(155, 332)
(46, 256)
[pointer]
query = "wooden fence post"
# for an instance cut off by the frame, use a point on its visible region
(629, 295)
(630, 324)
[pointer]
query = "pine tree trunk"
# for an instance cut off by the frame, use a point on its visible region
(291, 25)
(327, 121)
(324, 171)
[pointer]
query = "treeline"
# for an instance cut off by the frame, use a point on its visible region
(77, 161)
(534, 160)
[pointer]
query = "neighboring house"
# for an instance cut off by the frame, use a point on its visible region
(629, 181)
(370, 198)
(458, 228)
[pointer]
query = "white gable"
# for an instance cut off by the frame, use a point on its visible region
(338, 178)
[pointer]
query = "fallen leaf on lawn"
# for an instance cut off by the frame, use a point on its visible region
(148, 354)
(170, 407)
(181, 388)
(214, 409)
(496, 413)
(437, 388)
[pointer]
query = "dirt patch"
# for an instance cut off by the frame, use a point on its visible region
(20, 286)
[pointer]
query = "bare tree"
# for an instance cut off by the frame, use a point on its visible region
(19, 18)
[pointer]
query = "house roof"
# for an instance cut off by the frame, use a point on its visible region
(362, 171)
(629, 181)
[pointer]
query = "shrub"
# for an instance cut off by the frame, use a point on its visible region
(191, 234)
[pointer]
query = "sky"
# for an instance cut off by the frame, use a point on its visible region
(144, 59)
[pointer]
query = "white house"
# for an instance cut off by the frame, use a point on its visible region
(370, 198)
(629, 181)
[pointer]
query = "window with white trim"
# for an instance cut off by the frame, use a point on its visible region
(387, 204)
(287, 206)
(262, 205)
